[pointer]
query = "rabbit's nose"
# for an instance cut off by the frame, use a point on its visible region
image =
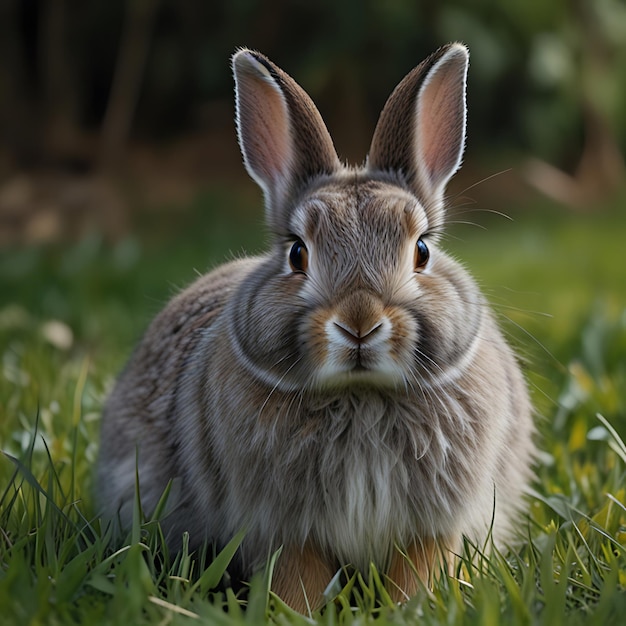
(359, 319)
(356, 334)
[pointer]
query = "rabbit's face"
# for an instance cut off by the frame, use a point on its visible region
(360, 243)
(385, 306)
(360, 295)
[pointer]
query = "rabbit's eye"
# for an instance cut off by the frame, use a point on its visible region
(299, 257)
(421, 255)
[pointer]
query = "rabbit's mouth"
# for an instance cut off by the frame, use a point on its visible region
(356, 356)
(363, 360)
(360, 376)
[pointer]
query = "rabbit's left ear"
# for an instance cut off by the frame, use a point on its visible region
(284, 141)
(421, 131)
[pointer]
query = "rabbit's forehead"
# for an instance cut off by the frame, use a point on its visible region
(356, 214)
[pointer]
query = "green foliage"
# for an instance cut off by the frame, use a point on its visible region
(68, 319)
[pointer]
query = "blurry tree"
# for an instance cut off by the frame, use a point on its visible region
(127, 79)
(59, 96)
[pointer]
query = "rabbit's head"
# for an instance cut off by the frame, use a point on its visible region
(356, 290)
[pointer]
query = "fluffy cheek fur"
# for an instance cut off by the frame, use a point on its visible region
(447, 335)
(264, 331)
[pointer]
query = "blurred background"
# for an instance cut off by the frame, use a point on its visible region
(121, 178)
(109, 107)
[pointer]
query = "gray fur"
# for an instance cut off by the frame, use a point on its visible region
(338, 445)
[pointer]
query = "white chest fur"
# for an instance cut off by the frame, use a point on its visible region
(382, 479)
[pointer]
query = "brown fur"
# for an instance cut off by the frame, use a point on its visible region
(417, 566)
(301, 577)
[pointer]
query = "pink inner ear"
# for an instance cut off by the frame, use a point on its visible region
(264, 128)
(440, 119)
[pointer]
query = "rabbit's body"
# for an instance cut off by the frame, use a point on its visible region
(346, 396)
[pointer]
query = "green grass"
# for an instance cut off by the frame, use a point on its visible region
(69, 318)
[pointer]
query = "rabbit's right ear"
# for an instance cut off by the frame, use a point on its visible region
(281, 133)
(421, 131)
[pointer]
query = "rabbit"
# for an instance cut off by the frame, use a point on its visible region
(346, 398)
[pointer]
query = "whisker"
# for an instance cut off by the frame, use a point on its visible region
(280, 380)
(466, 223)
(483, 180)
(466, 210)
(422, 355)
(299, 394)
(536, 341)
